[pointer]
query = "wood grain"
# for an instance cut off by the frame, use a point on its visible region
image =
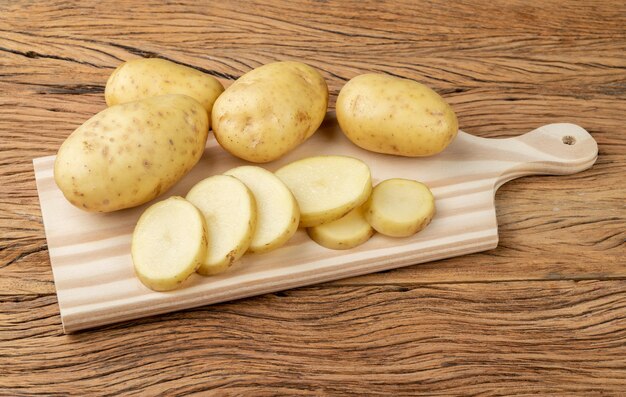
(507, 338)
(506, 66)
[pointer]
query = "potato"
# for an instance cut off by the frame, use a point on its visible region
(270, 110)
(278, 214)
(230, 212)
(400, 207)
(128, 154)
(326, 187)
(347, 232)
(168, 243)
(387, 114)
(148, 77)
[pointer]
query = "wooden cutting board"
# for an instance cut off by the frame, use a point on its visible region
(90, 253)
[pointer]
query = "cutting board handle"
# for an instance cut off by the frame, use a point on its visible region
(553, 149)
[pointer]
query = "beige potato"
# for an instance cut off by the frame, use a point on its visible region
(400, 207)
(270, 110)
(278, 214)
(347, 232)
(147, 77)
(387, 114)
(168, 243)
(229, 210)
(326, 187)
(129, 154)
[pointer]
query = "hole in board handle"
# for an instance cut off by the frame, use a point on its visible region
(569, 140)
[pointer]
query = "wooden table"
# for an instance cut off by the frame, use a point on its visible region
(544, 313)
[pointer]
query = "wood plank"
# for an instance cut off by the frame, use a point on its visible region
(542, 58)
(90, 252)
(519, 338)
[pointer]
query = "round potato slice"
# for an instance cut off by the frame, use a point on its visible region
(347, 232)
(277, 210)
(326, 187)
(230, 214)
(168, 244)
(400, 207)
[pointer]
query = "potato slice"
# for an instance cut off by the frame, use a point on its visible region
(400, 207)
(230, 213)
(347, 232)
(278, 214)
(326, 187)
(168, 244)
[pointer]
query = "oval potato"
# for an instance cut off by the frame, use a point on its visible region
(128, 154)
(387, 114)
(147, 77)
(270, 110)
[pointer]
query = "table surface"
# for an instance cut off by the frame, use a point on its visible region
(544, 313)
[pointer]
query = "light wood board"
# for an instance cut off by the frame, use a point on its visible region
(90, 253)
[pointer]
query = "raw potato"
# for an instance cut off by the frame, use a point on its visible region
(387, 114)
(230, 213)
(400, 207)
(278, 214)
(148, 77)
(270, 110)
(128, 154)
(168, 243)
(326, 187)
(347, 232)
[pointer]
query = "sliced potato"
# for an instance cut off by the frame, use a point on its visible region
(400, 207)
(277, 210)
(347, 232)
(168, 244)
(230, 214)
(326, 187)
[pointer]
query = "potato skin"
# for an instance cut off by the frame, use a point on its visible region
(270, 110)
(147, 77)
(392, 115)
(128, 154)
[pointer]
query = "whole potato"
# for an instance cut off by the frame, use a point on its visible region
(128, 154)
(270, 110)
(387, 114)
(148, 77)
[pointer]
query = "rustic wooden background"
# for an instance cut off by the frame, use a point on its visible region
(544, 313)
